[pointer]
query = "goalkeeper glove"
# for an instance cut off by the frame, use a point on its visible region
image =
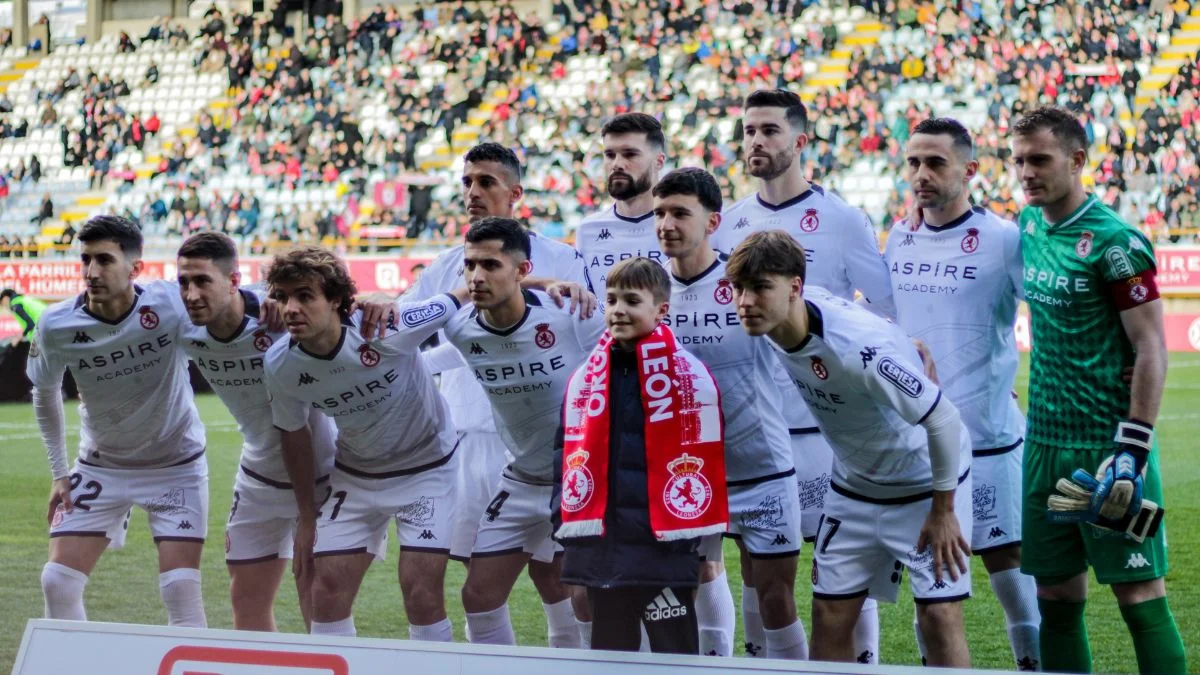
(1076, 503)
(1120, 490)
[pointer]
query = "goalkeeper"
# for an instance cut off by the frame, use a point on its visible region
(1089, 282)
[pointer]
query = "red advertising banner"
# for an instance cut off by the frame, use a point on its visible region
(1178, 270)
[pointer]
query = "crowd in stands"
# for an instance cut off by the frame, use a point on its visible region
(342, 106)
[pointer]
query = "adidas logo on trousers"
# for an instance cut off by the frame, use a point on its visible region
(665, 606)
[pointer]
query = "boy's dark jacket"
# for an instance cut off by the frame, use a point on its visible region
(627, 554)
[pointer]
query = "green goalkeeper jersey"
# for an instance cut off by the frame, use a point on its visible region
(1079, 275)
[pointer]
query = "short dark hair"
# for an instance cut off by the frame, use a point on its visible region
(494, 152)
(8, 293)
(947, 126)
(123, 231)
(1061, 122)
(513, 237)
(765, 253)
(641, 274)
(793, 107)
(215, 246)
(636, 123)
(691, 181)
(314, 263)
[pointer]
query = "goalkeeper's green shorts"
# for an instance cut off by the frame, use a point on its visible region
(1054, 552)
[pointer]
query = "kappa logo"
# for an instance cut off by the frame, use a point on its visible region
(996, 533)
(908, 241)
(199, 344)
(148, 319)
(752, 649)
(305, 378)
(476, 349)
(417, 316)
(604, 234)
(866, 656)
(665, 605)
(81, 337)
(426, 534)
(742, 222)
(939, 585)
(262, 341)
(908, 383)
(184, 525)
(1136, 561)
(868, 354)
(780, 540)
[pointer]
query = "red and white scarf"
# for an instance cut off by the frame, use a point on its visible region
(684, 439)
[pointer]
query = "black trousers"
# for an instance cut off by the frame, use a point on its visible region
(669, 615)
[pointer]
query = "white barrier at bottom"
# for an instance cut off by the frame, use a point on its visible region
(54, 647)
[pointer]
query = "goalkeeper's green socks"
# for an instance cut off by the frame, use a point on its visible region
(1155, 637)
(1064, 638)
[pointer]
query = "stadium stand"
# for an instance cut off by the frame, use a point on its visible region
(352, 133)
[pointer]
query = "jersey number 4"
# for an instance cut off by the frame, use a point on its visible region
(493, 509)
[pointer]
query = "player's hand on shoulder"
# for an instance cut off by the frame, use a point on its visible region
(60, 498)
(581, 299)
(273, 315)
(926, 360)
(378, 310)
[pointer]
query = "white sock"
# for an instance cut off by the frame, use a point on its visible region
(756, 638)
(181, 594)
(585, 634)
(787, 643)
(345, 627)
(441, 631)
(715, 617)
(62, 589)
(866, 633)
(920, 639)
(1017, 594)
(561, 627)
(490, 628)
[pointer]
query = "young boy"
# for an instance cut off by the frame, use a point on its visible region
(641, 476)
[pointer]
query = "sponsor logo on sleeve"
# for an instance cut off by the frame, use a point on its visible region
(1119, 264)
(418, 316)
(908, 383)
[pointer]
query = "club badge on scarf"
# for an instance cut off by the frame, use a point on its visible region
(684, 439)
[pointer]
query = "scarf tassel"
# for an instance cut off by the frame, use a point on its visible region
(581, 528)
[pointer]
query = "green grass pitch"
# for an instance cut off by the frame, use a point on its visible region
(124, 587)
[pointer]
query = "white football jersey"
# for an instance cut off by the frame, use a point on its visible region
(705, 321)
(862, 378)
(234, 369)
(524, 370)
(553, 259)
(388, 412)
(840, 249)
(957, 289)
(136, 407)
(606, 238)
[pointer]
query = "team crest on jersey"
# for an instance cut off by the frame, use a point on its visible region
(810, 222)
(262, 341)
(577, 487)
(368, 356)
(1137, 290)
(688, 493)
(724, 292)
(819, 368)
(544, 337)
(1083, 247)
(149, 319)
(970, 242)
